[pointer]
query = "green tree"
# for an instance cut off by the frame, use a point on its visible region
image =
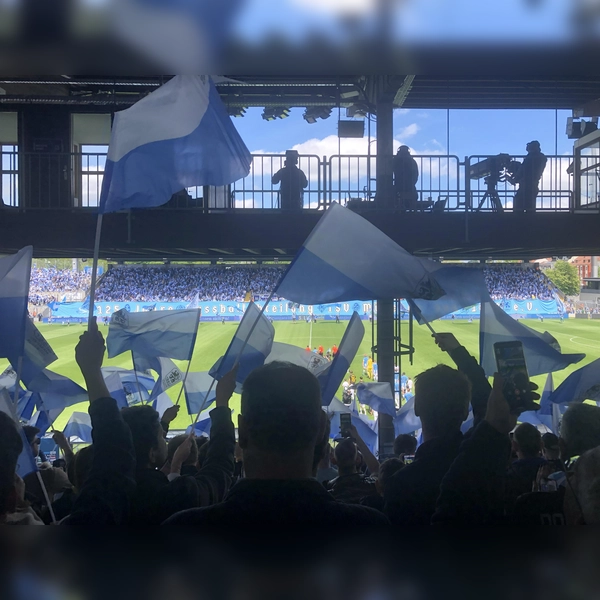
(565, 277)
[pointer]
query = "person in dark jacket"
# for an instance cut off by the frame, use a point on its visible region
(105, 497)
(280, 425)
(442, 397)
(292, 180)
(528, 177)
(406, 175)
(158, 496)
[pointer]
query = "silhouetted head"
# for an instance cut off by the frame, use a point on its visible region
(31, 433)
(533, 146)
(405, 444)
(527, 441)
(148, 436)
(442, 397)
(404, 151)
(579, 430)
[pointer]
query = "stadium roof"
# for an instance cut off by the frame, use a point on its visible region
(426, 91)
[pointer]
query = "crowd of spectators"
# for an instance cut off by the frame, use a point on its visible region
(51, 284)
(517, 283)
(184, 283)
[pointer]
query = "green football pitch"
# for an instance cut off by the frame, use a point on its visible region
(213, 339)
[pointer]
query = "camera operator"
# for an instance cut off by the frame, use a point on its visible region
(528, 177)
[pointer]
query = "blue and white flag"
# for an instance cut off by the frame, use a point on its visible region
(549, 414)
(202, 426)
(151, 334)
(301, 357)
(463, 286)
(15, 271)
(168, 372)
(115, 388)
(378, 396)
(540, 356)
(134, 384)
(347, 258)
(367, 434)
(583, 384)
(406, 421)
(195, 303)
(57, 391)
(161, 403)
(79, 426)
(43, 419)
(254, 339)
(196, 390)
(176, 137)
(332, 378)
(37, 355)
(26, 461)
(26, 406)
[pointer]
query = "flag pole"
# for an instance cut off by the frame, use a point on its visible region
(95, 269)
(183, 383)
(137, 382)
(17, 381)
(237, 360)
(203, 401)
(419, 314)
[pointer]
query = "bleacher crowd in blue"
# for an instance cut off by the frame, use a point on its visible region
(301, 457)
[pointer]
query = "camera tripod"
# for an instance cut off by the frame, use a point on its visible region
(491, 194)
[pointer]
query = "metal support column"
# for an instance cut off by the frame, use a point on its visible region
(385, 152)
(385, 367)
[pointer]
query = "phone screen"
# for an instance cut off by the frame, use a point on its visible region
(345, 422)
(510, 361)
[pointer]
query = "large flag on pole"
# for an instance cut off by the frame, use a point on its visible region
(347, 258)
(176, 137)
(463, 286)
(332, 378)
(37, 355)
(253, 339)
(168, 372)
(301, 357)
(150, 334)
(583, 384)
(406, 421)
(79, 426)
(57, 391)
(15, 271)
(540, 356)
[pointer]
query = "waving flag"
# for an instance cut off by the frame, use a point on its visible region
(406, 421)
(254, 339)
(37, 355)
(549, 413)
(15, 271)
(583, 384)
(540, 356)
(196, 390)
(79, 426)
(26, 461)
(57, 391)
(168, 373)
(176, 137)
(150, 334)
(161, 403)
(301, 357)
(43, 418)
(134, 385)
(463, 286)
(347, 258)
(332, 378)
(115, 388)
(378, 396)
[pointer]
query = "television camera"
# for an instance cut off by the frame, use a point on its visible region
(493, 170)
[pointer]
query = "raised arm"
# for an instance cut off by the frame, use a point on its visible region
(370, 459)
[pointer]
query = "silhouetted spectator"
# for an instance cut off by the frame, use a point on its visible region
(528, 177)
(406, 175)
(293, 181)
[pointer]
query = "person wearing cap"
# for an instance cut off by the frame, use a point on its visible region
(528, 177)
(292, 180)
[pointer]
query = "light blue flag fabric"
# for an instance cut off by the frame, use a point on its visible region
(332, 378)
(301, 357)
(14, 292)
(37, 355)
(468, 424)
(259, 333)
(463, 286)
(57, 391)
(43, 418)
(347, 258)
(195, 303)
(115, 388)
(196, 389)
(26, 461)
(540, 356)
(405, 420)
(168, 372)
(378, 396)
(202, 427)
(176, 137)
(79, 426)
(134, 385)
(367, 434)
(583, 384)
(150, 334)
(549, 413)
(26, 406)
(161, 403)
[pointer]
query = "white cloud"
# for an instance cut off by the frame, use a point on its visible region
(408, 131)
(337, 7)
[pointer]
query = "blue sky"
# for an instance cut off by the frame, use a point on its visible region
(472, 132)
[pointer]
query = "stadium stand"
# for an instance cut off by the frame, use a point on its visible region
(48, 283)
(517, 283)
